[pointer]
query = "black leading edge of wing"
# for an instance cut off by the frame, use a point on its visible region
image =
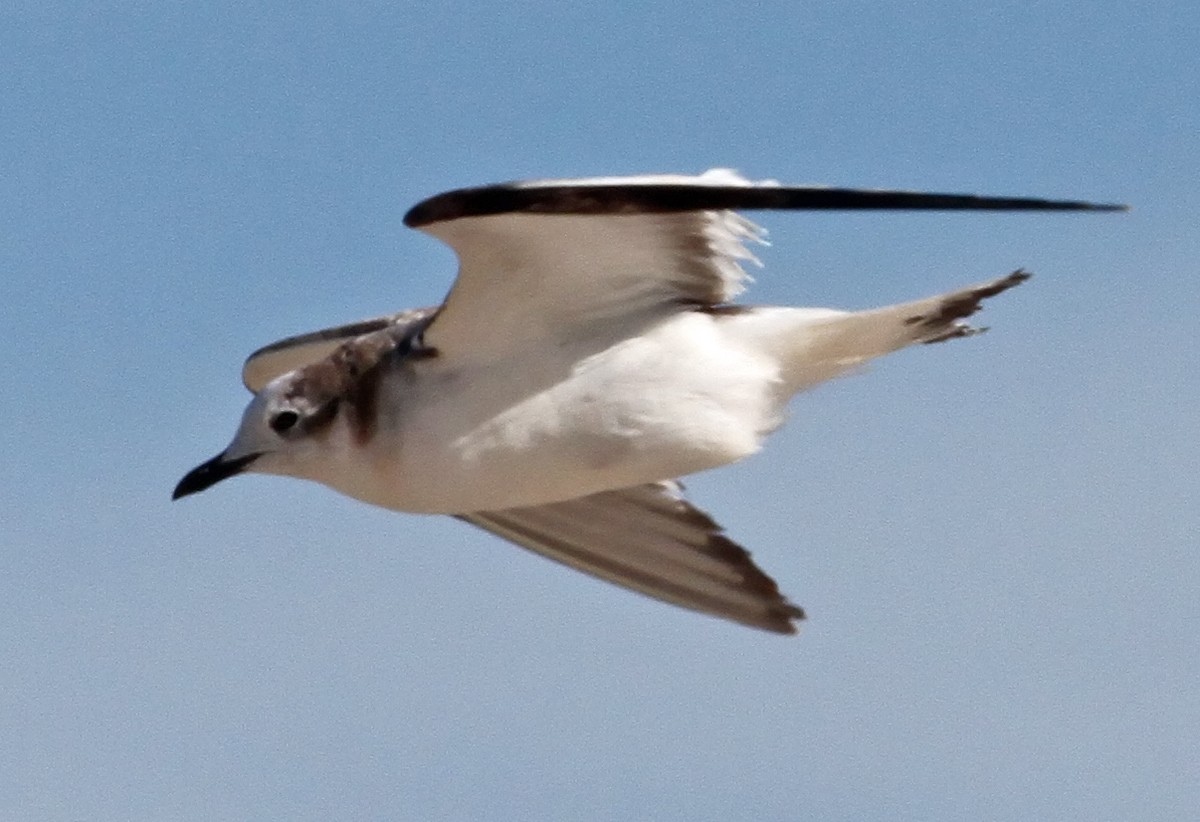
(649, 198)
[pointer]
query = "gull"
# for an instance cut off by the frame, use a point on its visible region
(588, 355)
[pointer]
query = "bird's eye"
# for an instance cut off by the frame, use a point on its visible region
(284, 421)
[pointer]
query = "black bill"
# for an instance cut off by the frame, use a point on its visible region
(210, 473)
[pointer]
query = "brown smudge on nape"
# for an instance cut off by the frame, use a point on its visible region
(348, 381)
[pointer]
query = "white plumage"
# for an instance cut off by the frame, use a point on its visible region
(588, 354)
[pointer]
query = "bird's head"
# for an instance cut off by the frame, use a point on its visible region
(284, 429)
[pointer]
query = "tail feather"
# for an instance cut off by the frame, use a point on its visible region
(945, 320)
(817, 345)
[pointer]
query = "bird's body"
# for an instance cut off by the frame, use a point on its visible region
(588, 355)
(689, 392)
(680, 393)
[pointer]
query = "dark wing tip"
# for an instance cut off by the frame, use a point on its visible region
(779, 613)
(650, 539)
(783, 619)
(652, 196)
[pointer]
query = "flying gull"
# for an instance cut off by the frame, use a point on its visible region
(589, 354)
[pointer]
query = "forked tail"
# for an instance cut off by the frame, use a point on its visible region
(944, 319)
(814, 345)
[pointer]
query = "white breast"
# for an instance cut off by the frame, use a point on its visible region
(564, 423)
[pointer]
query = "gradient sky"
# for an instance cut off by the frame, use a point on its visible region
(996, 540)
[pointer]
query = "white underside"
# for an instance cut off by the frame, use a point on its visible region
(608, 405)
(690, 392)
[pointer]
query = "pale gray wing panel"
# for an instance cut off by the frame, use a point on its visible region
(651, 540)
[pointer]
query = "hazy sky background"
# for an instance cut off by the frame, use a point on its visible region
(996, 540)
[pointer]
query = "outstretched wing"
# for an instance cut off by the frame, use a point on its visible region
(291, 353)
(650, 539)
(547, 261)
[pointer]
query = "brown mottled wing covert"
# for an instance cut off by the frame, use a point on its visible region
(291, 353)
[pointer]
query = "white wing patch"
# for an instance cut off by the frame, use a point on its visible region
(528, 280)
(725, 177)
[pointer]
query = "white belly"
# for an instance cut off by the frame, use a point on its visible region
(560, 424)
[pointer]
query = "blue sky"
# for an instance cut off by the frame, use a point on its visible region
(996, 540)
